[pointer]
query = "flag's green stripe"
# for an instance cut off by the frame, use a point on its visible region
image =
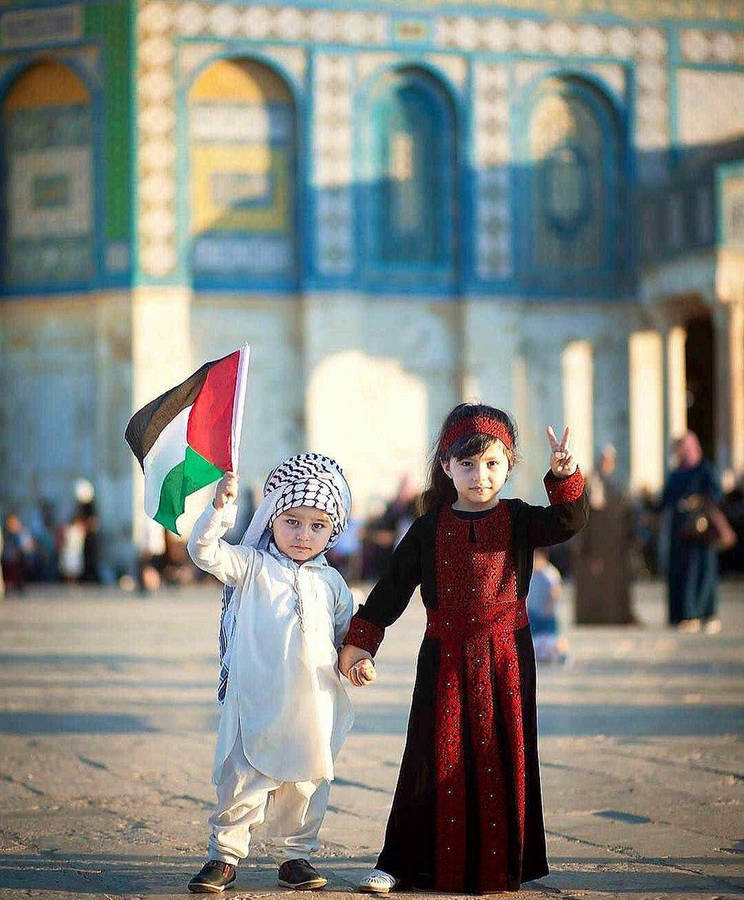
(193, 473)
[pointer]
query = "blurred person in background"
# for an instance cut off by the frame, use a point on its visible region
(71, 549)
(177, 566)
(385, 531)
(43, 530)
(86, 512)
(17, 553)
(601, 553)
(646, 534)
(151, 545)
(545, 590)
(346, 555)
(732, 505)
(692, 575)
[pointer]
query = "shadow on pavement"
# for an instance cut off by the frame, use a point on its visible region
(28, 723)
(672, 875)
(157, 876)
(164, 876)
(622, 720)
(554, 721)
(113, 661)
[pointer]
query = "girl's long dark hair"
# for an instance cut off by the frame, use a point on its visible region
(439, 487)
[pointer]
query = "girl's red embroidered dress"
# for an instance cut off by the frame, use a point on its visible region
(467, 812)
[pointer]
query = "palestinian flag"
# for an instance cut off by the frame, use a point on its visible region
(189, 436)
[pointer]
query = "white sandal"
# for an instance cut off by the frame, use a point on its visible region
(377, 882)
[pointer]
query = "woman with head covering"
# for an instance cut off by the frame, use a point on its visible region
(284, 712)
(693, 562)
(600, 554)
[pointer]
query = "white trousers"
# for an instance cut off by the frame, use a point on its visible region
(242, 797)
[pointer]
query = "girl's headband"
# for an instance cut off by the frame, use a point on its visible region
(477, 425)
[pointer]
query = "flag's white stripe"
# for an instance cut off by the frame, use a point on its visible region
(238, 403)
(167, 452)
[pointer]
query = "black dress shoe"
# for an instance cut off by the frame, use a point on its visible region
(213, 878)
(299, 875)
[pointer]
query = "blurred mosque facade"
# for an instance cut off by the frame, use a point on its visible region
(398, 204)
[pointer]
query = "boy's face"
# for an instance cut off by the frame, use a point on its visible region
(302, 533)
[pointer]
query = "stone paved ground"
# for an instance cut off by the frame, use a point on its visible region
(107, 727)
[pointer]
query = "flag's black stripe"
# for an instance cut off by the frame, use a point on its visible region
(145, 426)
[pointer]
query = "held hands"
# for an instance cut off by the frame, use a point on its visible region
(356, 664)
(562, 462)
(227, 490)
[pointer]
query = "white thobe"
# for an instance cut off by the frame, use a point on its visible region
(284, 693)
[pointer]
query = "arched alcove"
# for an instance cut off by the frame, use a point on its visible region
(48, 235)
(572, 157)
(243, 181)
(409, 178)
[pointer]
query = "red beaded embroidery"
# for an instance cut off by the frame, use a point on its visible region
(364, 634)
(477, 613)
(477, 425)
(565, 490)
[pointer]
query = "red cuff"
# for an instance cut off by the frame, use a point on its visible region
(364, 634)
(564, 490)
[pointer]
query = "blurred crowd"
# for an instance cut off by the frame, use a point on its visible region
(41, 548)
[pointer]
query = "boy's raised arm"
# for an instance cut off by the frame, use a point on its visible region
(230, 563)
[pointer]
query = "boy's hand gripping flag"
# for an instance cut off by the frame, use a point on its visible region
(189, 436)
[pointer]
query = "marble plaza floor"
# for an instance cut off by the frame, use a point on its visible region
(107, 721)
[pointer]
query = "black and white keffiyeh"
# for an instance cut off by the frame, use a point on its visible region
(308, 479)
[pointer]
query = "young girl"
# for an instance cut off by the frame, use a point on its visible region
(467, 811)
(285, 713)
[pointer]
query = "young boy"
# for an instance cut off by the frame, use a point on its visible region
(285, 712)
(546, 586)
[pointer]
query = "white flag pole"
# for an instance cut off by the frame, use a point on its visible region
(239, 405)
(230, 510)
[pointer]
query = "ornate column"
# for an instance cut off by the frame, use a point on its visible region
(646, 376)
(728, 320)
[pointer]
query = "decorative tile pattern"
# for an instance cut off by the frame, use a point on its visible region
(156, 123)
(293, 59)
(699, 45)
(615, 76)
(368, 63)
(26, 28)
(491, 115)
(194, 54)
(454, 67)
(47, 129)
(40, 208)
(332, 156)
(711, 108)
(162, 21)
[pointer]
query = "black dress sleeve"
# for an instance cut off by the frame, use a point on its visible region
(390, 596)
(567, 514)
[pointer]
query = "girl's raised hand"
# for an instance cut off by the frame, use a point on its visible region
(227, 490)
(562, 463)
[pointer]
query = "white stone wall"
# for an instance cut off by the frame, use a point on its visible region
(65, 372)
(381, 374)
(513, 351)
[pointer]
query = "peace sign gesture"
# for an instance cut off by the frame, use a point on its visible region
(562, 463)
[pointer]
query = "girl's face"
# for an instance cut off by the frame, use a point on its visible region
(302, 533)
(478, 479)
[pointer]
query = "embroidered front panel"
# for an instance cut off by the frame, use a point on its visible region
(477, 613)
